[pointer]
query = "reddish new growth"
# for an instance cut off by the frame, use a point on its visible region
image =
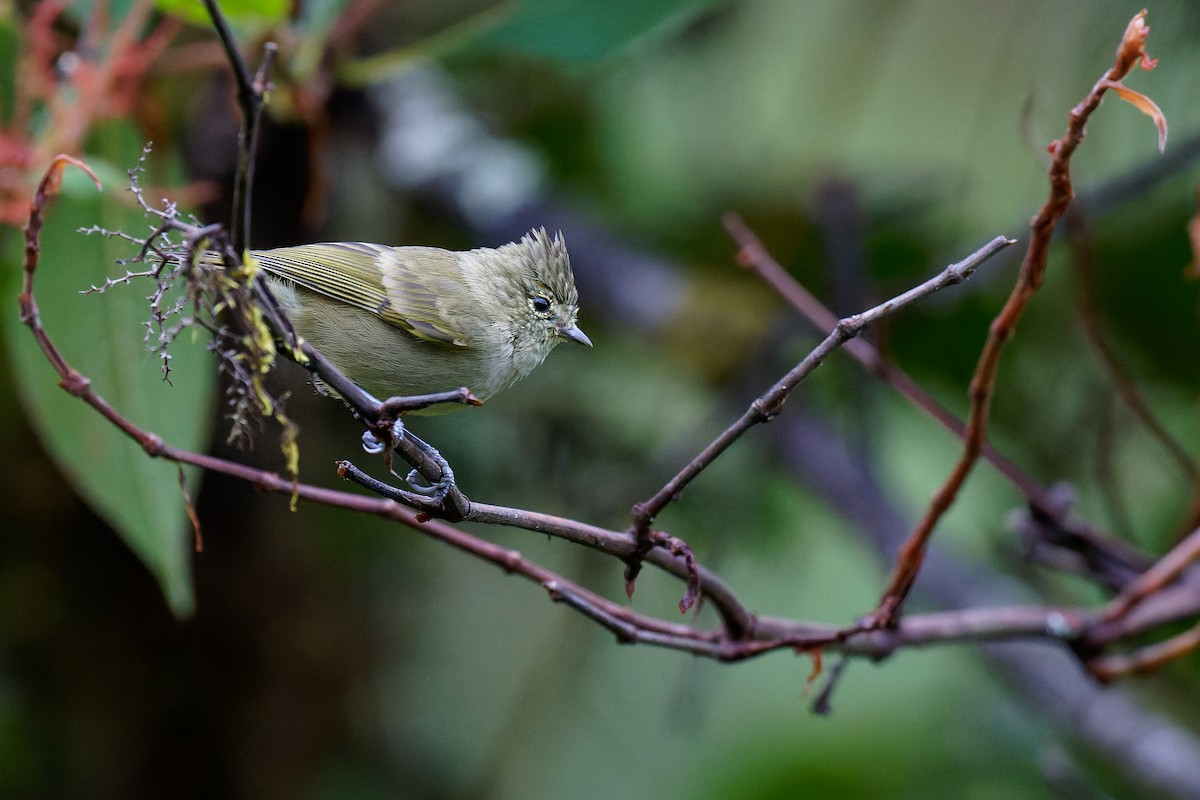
(1132, 52)
(1132, 49)
(75, 90)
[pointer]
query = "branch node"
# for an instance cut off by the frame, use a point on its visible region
(512, 561)
(152, 443)
(75, 383)
(766, 408)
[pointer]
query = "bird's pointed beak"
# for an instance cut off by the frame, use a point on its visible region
(575, 335)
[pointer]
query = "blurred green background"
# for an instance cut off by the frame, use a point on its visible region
(313, 654)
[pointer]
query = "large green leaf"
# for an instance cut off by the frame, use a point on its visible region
(101, 336)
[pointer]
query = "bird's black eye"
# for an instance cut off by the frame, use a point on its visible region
(540, 304)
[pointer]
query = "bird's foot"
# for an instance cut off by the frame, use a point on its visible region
(372, 444)
(435, 491)
(417, 482)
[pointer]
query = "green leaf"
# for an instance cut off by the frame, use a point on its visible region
(243, 14)
(582, 30)
(102, 337)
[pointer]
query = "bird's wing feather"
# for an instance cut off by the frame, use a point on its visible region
(376, 278)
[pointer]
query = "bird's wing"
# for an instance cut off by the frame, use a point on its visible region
(386, 281)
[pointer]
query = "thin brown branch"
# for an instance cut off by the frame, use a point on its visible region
(1153, 580)
(1033, 269)
(622, 544)
(770, 403)
(1147, 659)
(739, 622)
(1097, 548)
(393, 407)
(1174, 603)
(753, 255)
(26, 301)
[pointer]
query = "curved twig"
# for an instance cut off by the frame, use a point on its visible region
(1130, 53)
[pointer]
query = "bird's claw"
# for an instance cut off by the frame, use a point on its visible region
(419, 484)
(372, 444)
(434, 491)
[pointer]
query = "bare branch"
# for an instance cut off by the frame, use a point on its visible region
(1148, 659)
(1050, 521)
(770, 403)
(983, 382)
(1167, 569)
